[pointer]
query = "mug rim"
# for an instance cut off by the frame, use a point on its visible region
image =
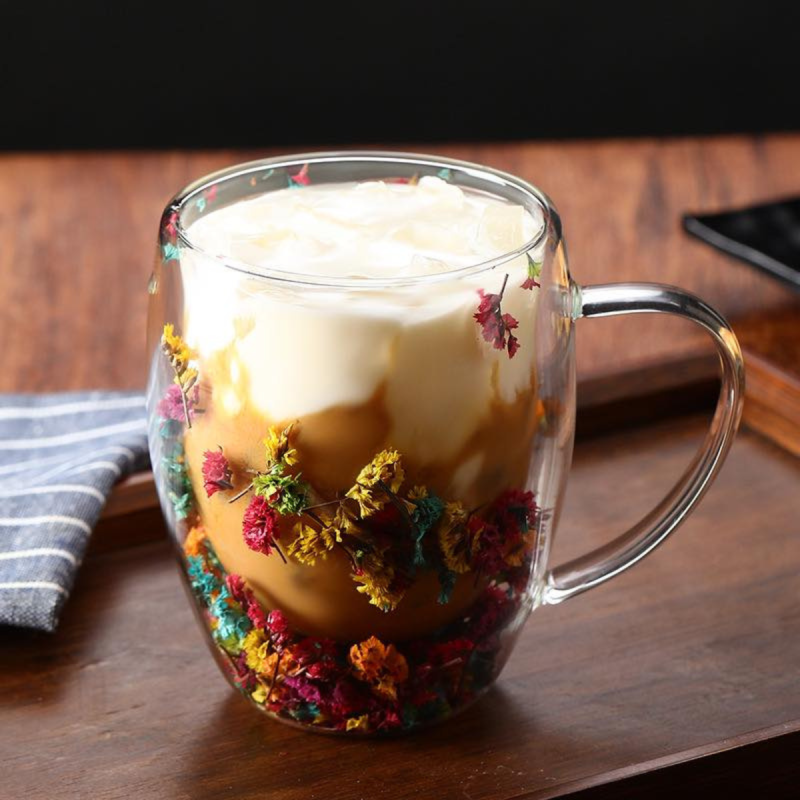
(487, 175)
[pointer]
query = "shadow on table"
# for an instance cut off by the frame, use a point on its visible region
(241, 753)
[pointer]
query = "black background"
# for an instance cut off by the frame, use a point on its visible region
(100, 73)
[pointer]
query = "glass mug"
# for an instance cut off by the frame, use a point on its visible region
(363, 475)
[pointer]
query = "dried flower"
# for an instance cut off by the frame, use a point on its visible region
(171, 224)
(194, 541)
(260, 526)
(358, 723)
(179, 355)
(534, 273)
(453, 540)
(376, 578)
(379, 665)
(312, 543)
(181, 504)
(171, 406)
(286, 493)
(382, 475)
(259, 653)
(496, 326)
(299, 178)
(278, 448)
(216, 472)
(170, 252)
(427, 511)
(487, 545)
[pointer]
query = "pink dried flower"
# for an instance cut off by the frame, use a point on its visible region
(171, 405)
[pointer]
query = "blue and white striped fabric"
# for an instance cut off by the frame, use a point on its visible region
(60, 455)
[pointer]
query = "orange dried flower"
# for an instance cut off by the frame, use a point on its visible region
(379, 665)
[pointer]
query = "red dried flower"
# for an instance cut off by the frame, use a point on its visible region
(216, 472)
(236, 586)
(300, 178)
(260, 526)
(278, 628)
(496, 326)
(534, 271)
(515, 509)
(171, 226)
(488, 546)
(255, 613)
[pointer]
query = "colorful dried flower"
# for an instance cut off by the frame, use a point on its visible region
(261, 658)
(194, 541)
(379, 665)
(299, 178)
(179, 355)
(453, 539)
(383, 475)
(181, 504)
(171, 224)
(260, 527)
(216, 472)
(376, 579)
(278, 627)
(358, 723)
(169, 252)
(312, 543)
(534, 273)
(172, 405)
(496, 326)
(427, 511)
(487, 545)
(286, 493)
(278, 447)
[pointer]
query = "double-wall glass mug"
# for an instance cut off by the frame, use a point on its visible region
(361, 407)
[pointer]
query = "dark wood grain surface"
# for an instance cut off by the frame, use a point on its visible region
(77, 233)
(690, 654)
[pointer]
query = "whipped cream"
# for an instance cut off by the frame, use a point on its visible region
(366, 230)
(295, 351)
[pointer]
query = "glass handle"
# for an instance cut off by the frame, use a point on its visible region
(605, 562)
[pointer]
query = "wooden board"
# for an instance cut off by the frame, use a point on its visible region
(623, 692)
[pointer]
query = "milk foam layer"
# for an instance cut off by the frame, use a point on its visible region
(288, 351)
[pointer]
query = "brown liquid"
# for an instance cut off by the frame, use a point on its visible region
(333, 446)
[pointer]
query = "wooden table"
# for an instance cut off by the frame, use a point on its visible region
(680, 674)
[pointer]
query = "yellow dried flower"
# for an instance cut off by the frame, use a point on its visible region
(517, 554)
(379, 665)
(278, 449)
(453, 538)
(259, 694)
(174, 346)
(384, 472)
(259, 657)
(179, 355)
(312, 543)
(375, 581)
(358, 723)
(418, 493)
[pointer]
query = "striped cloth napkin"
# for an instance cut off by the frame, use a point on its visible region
(60, 455)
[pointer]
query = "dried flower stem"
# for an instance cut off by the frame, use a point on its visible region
(242, 493)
